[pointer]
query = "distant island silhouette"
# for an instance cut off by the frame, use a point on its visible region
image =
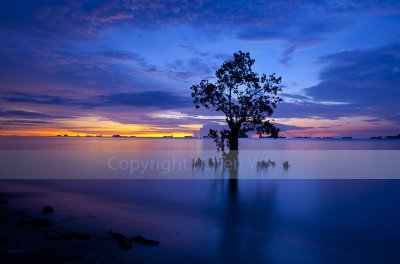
(387, 137)
(240, 136)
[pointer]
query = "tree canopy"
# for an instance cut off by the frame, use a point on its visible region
(245, 98)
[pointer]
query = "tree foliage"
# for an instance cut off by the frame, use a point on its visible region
(245, 98)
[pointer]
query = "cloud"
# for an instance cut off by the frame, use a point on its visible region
(180, 115)
(284, 127)
(395, 117)
(306, 109)
(368, 80)
(24, 123)
(296, 32)
(10, 118)
(186, 70)
(103, 68)
(17, 113)
(97, 69)
(299, 23)
(151, 99)
(43, 99)
(216, 126)
(296, 97)
(352, 83)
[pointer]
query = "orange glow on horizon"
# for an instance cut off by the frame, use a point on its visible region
(74, 134)
(95, 126)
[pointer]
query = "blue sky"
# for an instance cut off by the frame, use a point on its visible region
(105, 67)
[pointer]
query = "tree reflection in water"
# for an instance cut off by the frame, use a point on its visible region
(245, 220)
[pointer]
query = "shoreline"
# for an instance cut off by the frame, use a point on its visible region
(28, 234)
(218, 227)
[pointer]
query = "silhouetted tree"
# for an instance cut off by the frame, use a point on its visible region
(246, 99)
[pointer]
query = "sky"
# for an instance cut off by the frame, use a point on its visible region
(126, 67)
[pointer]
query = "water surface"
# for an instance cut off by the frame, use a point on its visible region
(221, 220)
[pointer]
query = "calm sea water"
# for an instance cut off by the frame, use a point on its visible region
(125, 158)
(272, 216)
(91, 143)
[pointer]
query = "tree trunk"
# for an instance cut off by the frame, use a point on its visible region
(234, 140)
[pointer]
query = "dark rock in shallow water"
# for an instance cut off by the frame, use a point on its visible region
(123, 241)
(125, 245)
(144, 241)
(4, 218)
(75, 256)
(75, 235)
(118, 236)
(4, 239)
(36, 223)
(3, 201)
(286, 165)
(48, 209)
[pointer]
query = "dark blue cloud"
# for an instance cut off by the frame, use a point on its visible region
(375, 120)
(41, 99)
(296, 31)
(17, 113)
(68, 65)
(284, 127)
(17, 118)
(186, 70)
(88, 17)
(153, 99)
(368, 80)
(301, 23)
(394, 117)
(352, 83)
(304, 109)
(98, 69)
(24, 122)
